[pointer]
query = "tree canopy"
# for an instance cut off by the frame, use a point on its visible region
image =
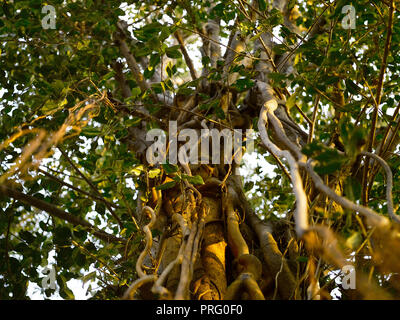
(317, 81)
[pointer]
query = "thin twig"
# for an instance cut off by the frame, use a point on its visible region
(371, 138)
(76, 189)
(90, 184)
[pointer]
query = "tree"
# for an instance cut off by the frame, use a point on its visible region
(81, 182)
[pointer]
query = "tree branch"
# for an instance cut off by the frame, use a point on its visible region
(94, 197)
(120, 78)
(91, 185)
(58, 213)
(301, 216)
(189, 62)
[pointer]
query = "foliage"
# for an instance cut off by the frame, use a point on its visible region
(48, 77)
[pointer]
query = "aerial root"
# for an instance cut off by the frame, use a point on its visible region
(191, 234)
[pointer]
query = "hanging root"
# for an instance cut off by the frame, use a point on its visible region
(318, 239)
(186, 276)
(244, 284)
(301, 216)
(389, 184)
(373, 218)
(130, 292)
(248, 266)
(272, 256)
(149, 241)
(158, 287)
(191, 225)
(143, 278)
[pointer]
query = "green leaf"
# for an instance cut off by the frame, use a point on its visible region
(169, 168)
(276, 76)
(137, 170)
(352, 87)
(171, 69)
(149, 72)
(352, 189)
(62, 235)
(132, 122)
(354, 241)
(27, 236)
(262, 5)
(66, 293)
(80, 259)
(328, 168)
(22, 248)
(193, 179)
(50, 107)
(275, 17)
(248, 186)
(142, 51)
(329, 160)
(166, 185)
(173, 52)
(154, 173)
(279, 49)
(242, 85)
(302, 259)
(291, 101)
(88, 277)
(312, 148)
(91, 132)
(219, 112)
(109, 75)
(354, 138)
(136, 92)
